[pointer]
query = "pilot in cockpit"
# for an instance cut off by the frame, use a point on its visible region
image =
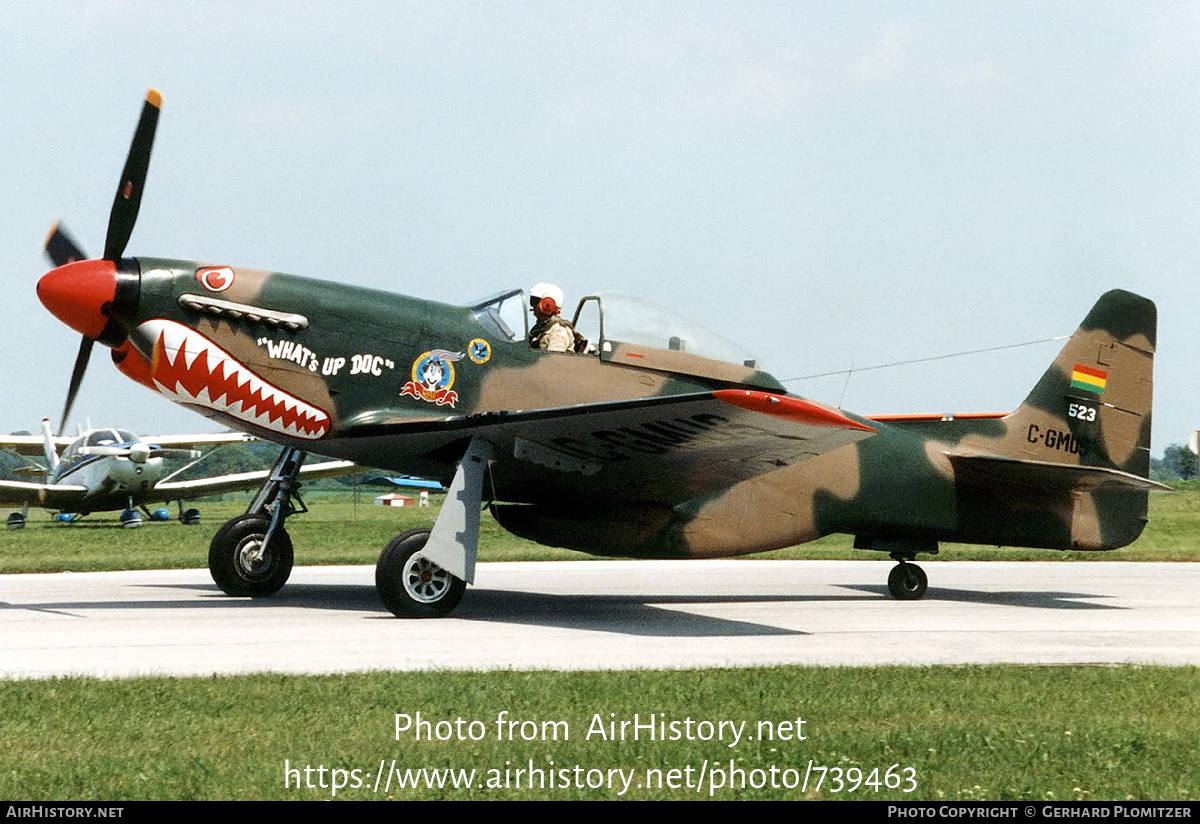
(550, 333)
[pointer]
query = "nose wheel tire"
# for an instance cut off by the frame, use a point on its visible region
(412, 586)
(241, 565)
(907, 582)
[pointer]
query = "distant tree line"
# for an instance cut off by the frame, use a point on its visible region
(1178, 463)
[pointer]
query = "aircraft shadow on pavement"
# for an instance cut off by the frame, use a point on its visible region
(628, 614)
(613, 610)
(646, 615)
(651, 615)
(1016, 598)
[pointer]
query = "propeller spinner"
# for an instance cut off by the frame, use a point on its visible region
(85, 294)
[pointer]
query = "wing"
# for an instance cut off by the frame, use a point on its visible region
(30, 445)
(51, 496)
(194, 441)
(174, 490)
(35, 445)
(663, 450)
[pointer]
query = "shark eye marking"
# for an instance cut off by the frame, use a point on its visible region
(215, 278)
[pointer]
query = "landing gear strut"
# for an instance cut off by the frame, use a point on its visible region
(421, 573)
(252, 553)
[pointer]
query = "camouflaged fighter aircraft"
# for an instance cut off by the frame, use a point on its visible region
(659, 444)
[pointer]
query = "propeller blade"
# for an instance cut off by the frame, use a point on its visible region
(81, 362)
(133, 180)
(61, 248)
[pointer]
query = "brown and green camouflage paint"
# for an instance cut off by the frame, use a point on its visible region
(630, 453)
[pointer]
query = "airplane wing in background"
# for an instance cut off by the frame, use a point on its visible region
(35, 445)
(173, 490)
(51, 496)
(195, 441)
(30, 445)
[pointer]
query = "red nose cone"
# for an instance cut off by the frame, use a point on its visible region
(77, 293)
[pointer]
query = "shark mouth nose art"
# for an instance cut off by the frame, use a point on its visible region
(189, 368)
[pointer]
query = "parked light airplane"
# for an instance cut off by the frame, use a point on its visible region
(650, 445)
(104, 470)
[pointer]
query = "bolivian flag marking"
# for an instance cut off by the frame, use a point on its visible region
(1088, 378)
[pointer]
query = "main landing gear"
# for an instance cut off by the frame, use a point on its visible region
(188, 517)
(421, 573)
(252, 553)
(17, 519)
(411, 585)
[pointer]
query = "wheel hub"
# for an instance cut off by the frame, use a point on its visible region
(425, 581)
(251, 557)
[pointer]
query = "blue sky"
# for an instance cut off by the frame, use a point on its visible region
(831, 185)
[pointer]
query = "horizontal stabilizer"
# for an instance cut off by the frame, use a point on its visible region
(1051, 476)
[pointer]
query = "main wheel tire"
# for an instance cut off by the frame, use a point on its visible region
(237, 563)
(907, 582)
(412, 586)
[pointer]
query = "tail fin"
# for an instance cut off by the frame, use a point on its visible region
(1070, 467)
(48, 445)
(1092, 406)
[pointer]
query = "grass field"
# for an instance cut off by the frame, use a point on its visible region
(342, 528)
(942, 734)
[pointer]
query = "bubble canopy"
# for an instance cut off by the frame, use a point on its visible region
(607, 318)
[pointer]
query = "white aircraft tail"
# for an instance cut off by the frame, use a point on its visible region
(51, 451)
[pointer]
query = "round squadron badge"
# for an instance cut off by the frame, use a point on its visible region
(432, 377)
(479, 350)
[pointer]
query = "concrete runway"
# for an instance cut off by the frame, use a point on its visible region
(607, 615)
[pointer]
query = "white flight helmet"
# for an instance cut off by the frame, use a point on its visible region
(541, 291)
